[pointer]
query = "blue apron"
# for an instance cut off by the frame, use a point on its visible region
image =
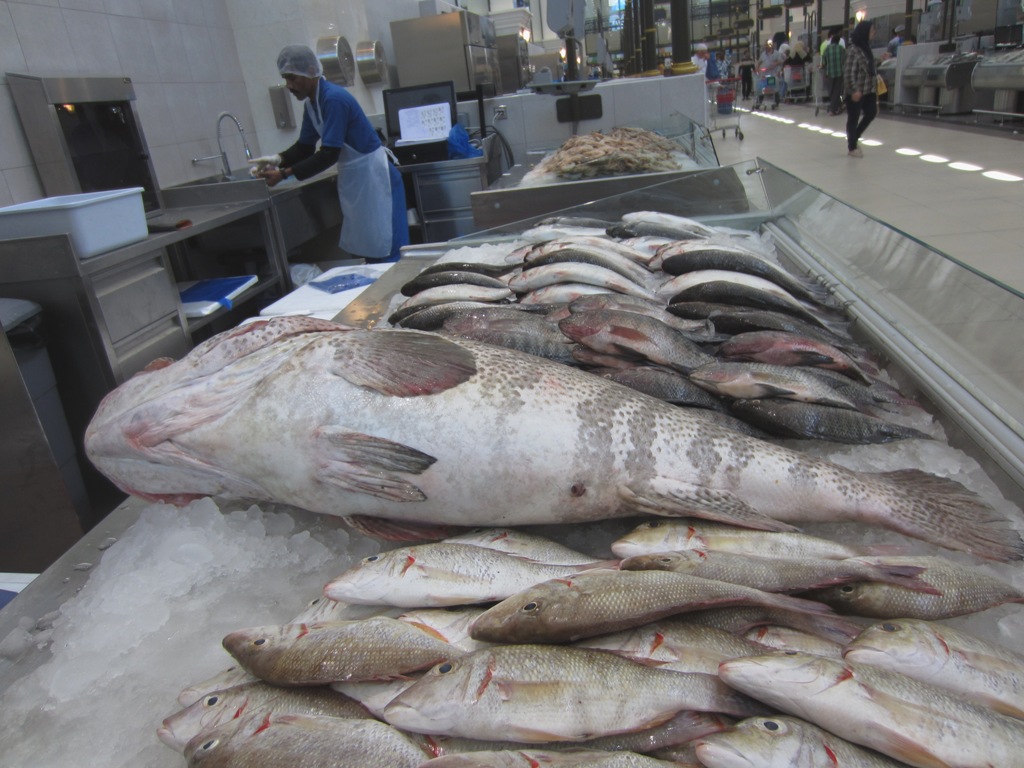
(364, 192)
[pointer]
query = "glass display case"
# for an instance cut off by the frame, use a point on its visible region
(946, 331)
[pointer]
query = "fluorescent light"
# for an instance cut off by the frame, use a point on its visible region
(1000, 176)
(840, 134)
(908, 151)
(964, 167)
(934, 159)
(871, 142)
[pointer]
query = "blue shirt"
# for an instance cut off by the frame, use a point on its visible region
(712, 73)
(344, 121)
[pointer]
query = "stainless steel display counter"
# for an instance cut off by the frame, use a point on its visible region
(941, 82)
(951, 335)
(998, 83)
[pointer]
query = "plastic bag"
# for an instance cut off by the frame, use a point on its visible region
(459, 145)
(303, 273)
(881, 88)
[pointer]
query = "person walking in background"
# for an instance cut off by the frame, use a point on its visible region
(832, 61)
(746, 67)
(860, 82)
(770, 65)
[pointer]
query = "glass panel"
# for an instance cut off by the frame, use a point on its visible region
(106, 148)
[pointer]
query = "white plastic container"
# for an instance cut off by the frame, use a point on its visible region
(96, 221)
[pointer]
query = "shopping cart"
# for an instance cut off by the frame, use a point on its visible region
(721, 103)
(797, 85)
(765, 86)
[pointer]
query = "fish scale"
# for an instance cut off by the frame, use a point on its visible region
(419, 428)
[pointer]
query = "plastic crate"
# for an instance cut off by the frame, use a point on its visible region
(96, 221)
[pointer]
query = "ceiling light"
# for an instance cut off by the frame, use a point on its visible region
(1000, 176)
(934, 159)
(964, 167)
(908, 151)
(871, 142)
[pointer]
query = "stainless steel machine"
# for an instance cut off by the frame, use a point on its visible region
(998, 83)
(514, 62)
(941, 82)
(461, 47)
(85, 135)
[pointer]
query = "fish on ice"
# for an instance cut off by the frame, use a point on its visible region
(417, 428)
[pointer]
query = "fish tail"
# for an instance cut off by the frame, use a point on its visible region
(943, 512)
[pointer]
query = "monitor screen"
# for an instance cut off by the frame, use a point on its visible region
(396, 99)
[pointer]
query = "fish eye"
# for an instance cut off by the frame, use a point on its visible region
(654, 524)
(211, 701)
(445, 668)
(210, 744)
(846, 589)
(888, 627)
(530, 607)
(372, 559)
(790, 652)
(261, 641)
(770, 725)
(665, 559)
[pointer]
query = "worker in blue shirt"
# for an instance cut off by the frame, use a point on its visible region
(374, 222)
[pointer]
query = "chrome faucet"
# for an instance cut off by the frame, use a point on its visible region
(220, 145)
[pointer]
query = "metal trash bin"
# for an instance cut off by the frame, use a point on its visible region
(22, 323)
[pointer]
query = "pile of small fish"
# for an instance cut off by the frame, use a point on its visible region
(500, 647)
(698, 316)
(619, 152)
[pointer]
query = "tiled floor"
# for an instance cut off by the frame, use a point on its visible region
(973, 218)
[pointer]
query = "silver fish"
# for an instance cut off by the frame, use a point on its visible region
(221, 706)
(612, 331)
(448, 624)
(270, 741)
(900, 717)
(528, 333)
(439, 574)
(676, 535)
(664, 384)
(460, 292)
(695, 330)
(534, 758)
(597, 254)
(540, 693)
(750, 381)
(560, 293)
(957, 590)
(315, 654)
(947, 658)
(789, 418)
(375, 695)
(601, 601)
(381, 422)
(535, 278)
(741, 620)
(694, 255)
(676, 641)
(514, 541)
(773, 574)
(452, 277)
(433, 317)
(759, 742)
(790, 639)
(680, 729)
(789, 348)
(231, 677)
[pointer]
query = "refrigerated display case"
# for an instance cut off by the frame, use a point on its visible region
(950, 336)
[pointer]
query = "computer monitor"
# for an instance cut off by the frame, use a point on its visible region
(397, 99)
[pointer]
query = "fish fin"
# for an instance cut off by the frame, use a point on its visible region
(396, 530)
(403, 363)
(944, 512)
(906, 576)
(366, 464)
(671, 497)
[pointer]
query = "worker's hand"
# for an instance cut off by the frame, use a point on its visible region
(273, 176)
(855, 96)
(260, 164)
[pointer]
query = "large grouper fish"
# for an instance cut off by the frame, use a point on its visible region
(420, 429)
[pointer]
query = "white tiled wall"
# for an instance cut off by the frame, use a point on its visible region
(189, 60)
